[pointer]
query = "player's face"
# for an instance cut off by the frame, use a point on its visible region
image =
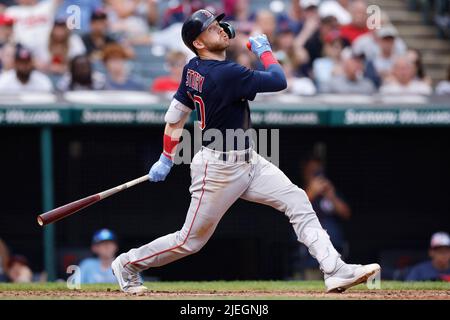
(214, 38)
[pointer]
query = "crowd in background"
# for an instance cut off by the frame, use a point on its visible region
(324, 46)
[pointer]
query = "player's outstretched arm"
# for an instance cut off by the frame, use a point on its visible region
(273, 79)
(175, 118)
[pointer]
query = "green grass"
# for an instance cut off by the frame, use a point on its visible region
(211, 286)
(223, 290)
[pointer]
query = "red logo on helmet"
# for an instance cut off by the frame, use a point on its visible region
(206, 13)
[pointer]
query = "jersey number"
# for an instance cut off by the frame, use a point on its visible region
(200, 107)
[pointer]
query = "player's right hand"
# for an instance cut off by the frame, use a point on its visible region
(259, 44)
(160, 170)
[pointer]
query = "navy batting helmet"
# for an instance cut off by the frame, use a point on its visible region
(198, 22)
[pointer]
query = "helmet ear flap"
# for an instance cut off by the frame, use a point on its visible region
(229, 29)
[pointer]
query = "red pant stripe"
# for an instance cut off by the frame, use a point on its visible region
(190, 227)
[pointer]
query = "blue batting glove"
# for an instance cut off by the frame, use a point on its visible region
(160, 169)
(259, 44)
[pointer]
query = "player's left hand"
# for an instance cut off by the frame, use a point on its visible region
(160, 170)
(260, 44)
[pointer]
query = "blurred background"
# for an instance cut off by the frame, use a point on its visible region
(364, 129)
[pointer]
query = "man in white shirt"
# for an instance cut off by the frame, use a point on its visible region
(370, 43)
(23, 78)
(403, 80)
(33, 21)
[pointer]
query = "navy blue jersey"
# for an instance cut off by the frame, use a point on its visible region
(219, 91)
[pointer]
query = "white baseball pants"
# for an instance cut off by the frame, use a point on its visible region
(216, 185)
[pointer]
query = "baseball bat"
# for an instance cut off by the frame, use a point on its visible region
(70, 208)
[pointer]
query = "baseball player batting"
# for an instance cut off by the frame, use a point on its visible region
(219, 90)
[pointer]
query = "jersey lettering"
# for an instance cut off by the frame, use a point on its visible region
(194, 80)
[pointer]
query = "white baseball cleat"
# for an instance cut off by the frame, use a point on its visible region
(350, 275)
(128, 279)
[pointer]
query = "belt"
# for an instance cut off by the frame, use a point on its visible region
(233, 156)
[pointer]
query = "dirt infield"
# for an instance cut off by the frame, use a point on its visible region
(163, 295)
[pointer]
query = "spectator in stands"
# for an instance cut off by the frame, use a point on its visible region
(4, 260)
(152, 13)
(175, 62)
(124, 19)
(98, 269)
(118, 78)
(311, 22)
(368, 48)
(369, 70)
(336, 8)
(295, 11)
(331, 209)
(169, 39)
(358, 26)
(384, 59)
(330, 64)
(63, 45)
(403, 80)
(239, 12)
(438, 268)
(7, 53)
(33, 21)
(296, 85)
(369, 44)
(87, 7)
(236, 10)
(180, 10)
(239, 43)
(265, 22)
(246, 60)
(19, 270)
(352, 81)
(443, 87)
(314, 45)
(81, 76)
(416, 58)
(284, 43)
(6, 29)
(96, 40)
(24, 77)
